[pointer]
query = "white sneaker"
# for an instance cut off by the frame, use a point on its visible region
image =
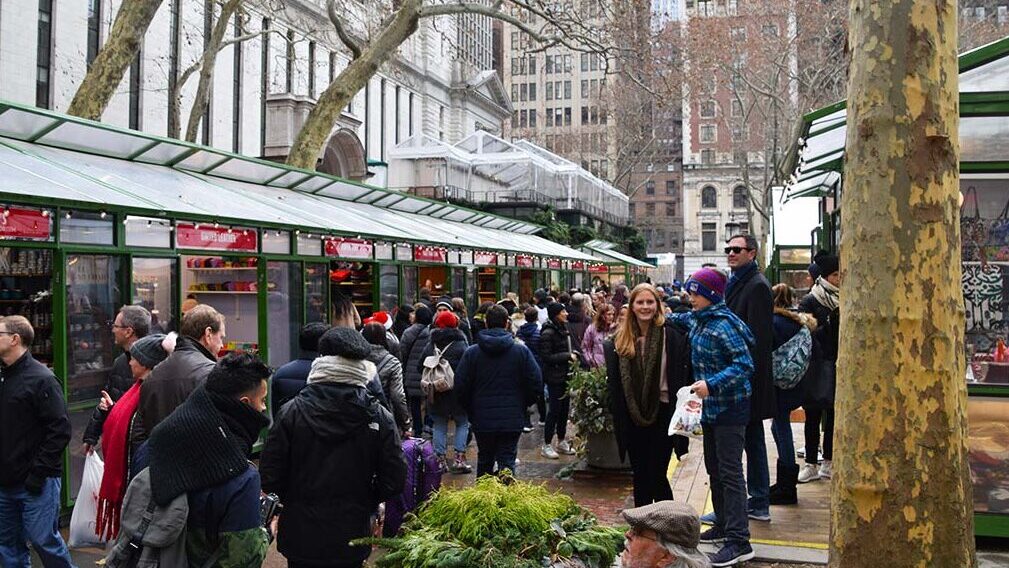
(810, 472)
(565, 448)
(548, 451)
(826, 469)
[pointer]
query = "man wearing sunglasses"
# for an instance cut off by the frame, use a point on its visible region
(748, 295)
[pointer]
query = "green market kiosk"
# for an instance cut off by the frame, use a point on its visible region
(93, 217)
(984, 181)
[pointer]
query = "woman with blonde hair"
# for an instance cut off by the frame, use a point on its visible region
(647, 361)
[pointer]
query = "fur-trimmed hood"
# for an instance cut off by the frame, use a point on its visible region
(800, 318)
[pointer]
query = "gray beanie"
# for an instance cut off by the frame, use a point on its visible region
(148, 350)
(345, 342)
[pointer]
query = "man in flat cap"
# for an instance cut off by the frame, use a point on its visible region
(663, 535)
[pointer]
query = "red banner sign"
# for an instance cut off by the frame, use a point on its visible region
(598, 268)
(554, 264)
(24, 224)
(577, 265)
(485, 258)
(350, 248)
(216, 238)
(429, 254)
(524, 261)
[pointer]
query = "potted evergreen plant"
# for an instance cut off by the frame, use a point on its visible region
(590, 410)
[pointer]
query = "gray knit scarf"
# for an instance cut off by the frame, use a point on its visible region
(825, 293)
(342, 370)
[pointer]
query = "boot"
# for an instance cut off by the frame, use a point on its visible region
(783, 491)
(460, 466)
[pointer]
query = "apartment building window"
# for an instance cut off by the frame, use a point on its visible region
(769, 30)
(709, 234)
(311, 69)
(739, 198)
(585, 62)
(650, 187)
(707, 109)
(236, 90)
(707, 132)
(550, 90)
(523, 92)
(94, 21)
(381, 120)
(1002, 14)
(737, 108)
(532, 118)
(670, 209)
(290, 58)
(532, 92)
(730, 7)
(396, 107)
(604, 169)
(550, 116)
(707, 156)
(264, 81)
(567, 116)
(670, 187)
(585, 87)
(709, 197)
(737, 33)
(409, 115)
(567, 90)
(134, 108)
(441, 123)
(738, 133)
(523, 119)
(515, 119)
(44, 54)
(594, 62)
(649, 210)
(515, 91)
(532, 64)
(549, 64)
(660, 238)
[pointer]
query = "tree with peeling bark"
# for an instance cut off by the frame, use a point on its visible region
(109, 66)
(901, 487)
(560, 27)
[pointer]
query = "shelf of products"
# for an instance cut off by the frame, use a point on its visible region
(487, 285)
(26, 290)
(354, 280)
(231, 286)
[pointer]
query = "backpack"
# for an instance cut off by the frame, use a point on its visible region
(791, 359)
(423, 477)
(150, 536)
(437, 376)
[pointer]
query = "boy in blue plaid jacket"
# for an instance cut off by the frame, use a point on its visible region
(719, 352)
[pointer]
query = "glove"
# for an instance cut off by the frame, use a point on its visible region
(34, 484)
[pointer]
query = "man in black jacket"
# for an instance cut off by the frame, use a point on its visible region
(131, 323)
(748, 295)
(34, 431)
(332, 455)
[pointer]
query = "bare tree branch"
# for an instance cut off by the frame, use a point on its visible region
(341, 32)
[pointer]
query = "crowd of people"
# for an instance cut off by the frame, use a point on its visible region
(177, 424)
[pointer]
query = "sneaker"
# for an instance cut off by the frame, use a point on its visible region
(709, 519)
(565, 448)
(714, 535)
(732, 554)
(541, 423)
(810, 472)
(826, 469)
(759, 515)
(442, 464)
(548, 451)
(460, 466)
(527, 429)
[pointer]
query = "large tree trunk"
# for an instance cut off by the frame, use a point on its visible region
(901, 489)
(308, 145)
(113, 59)
(207, 68)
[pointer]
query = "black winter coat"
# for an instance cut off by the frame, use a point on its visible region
(452, 344)
(679, 374)
(751, 300)
(577, 324)
(411, 347)
(120, 381)
(332, 455)
(556, 346)
(34, 424)
(497, 379)
(825, 340)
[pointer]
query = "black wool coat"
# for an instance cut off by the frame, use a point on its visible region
(751, 300)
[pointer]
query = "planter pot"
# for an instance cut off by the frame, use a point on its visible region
(601, 452)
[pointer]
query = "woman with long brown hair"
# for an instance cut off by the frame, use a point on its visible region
(647, 361)
(596, 334)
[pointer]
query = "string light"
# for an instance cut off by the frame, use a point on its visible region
(67, 215)
(102, 215)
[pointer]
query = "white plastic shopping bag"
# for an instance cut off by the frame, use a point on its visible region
(687, 416)
(82, 521)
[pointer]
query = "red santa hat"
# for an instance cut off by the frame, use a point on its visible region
(380, 317)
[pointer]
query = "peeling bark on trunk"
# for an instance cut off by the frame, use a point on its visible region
(312, 136)
(107, 70)
(901, 488)
(209, 57)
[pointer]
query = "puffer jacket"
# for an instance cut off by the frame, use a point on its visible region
(496, 380)
(411, 347)
(390, 374)
(452, 344)
(555, 353)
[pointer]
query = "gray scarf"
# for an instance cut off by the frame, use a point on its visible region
(825, 293)
(338, 369)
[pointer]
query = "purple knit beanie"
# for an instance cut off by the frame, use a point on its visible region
(709, 283)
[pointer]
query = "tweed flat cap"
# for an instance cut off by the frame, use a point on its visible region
(675, 522)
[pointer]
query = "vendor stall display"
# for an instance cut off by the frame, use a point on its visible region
(354, 280)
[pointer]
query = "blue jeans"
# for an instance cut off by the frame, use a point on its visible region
(441, 433)
(32, 518)
(758, 476)
(723, 459)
